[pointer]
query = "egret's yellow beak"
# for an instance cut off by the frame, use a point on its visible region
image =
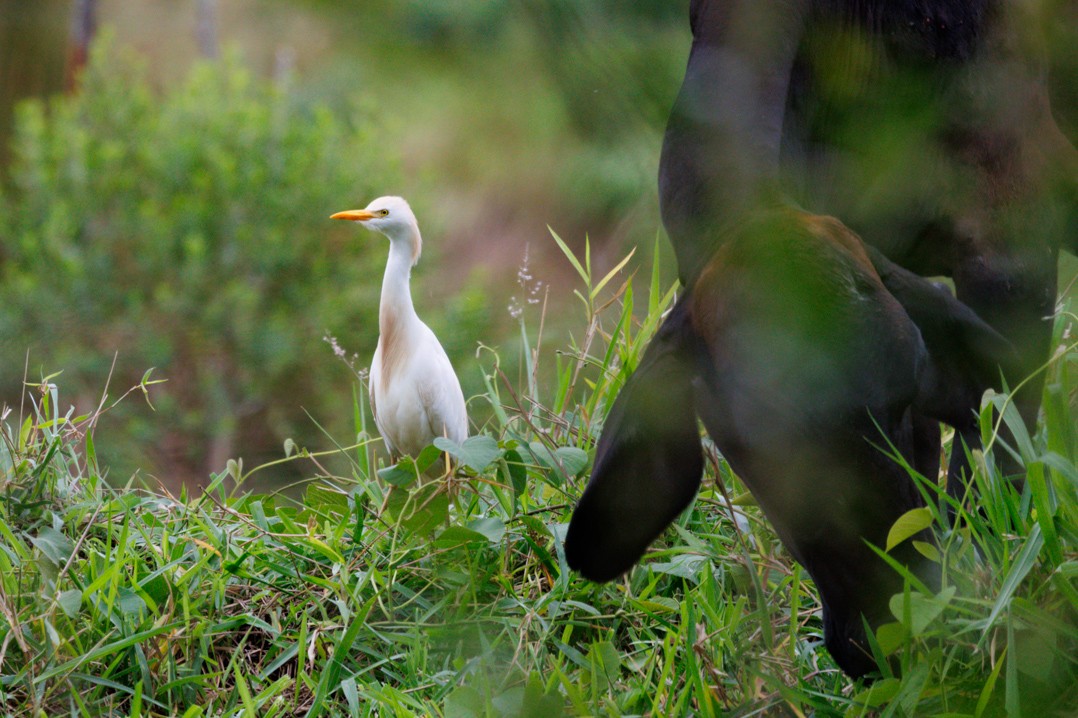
(355, 215)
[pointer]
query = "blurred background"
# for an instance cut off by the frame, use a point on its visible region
(168, 168)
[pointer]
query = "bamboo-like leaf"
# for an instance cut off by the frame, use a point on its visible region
(569, 255)
(1021, 566)
(654, 290)
(610, 275)
(990, 684)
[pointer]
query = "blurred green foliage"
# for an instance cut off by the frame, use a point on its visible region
(188, 230)
(557, 103)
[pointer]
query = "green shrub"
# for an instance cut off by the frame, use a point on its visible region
(187, 229)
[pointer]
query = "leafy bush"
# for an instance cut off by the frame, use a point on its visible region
(188, 230)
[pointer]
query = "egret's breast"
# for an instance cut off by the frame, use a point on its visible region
(402, 413)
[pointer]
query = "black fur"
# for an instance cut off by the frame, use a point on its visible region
(798, 388)
(925, 127)
(648, 462)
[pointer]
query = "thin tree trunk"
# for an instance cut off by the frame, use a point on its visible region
(83, 29)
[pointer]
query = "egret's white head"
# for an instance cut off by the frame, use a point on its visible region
(392, 217)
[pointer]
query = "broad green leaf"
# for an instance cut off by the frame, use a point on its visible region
(573, 459)
(400, 474)
(135, 711)
(476, 452)
(536, 525)
(745, 499)
(427, 457)
(509, 702)
(490, 527)
(891, 636)
(420, 510)
(908, 524)
(458, 536)
(569, 458)
(518, 474)
(658, 604)
(605, 660)
(922, 609)
(1035, 652)
(326, 499)
(538, 702)
(156, 586)
(324, 548)
(55, 546)
(927, 550)
(1017, 426)
(465, 702)
(70, 602)
(874, 696)
(685, 565)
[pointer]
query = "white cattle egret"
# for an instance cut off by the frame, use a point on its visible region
(415, 394)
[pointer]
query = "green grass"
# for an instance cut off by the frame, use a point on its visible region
(379, 596)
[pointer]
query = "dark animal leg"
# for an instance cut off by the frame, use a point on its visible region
(927, 442)
(648, 462)
(1015, 293)
(966, 356)
(812, 366)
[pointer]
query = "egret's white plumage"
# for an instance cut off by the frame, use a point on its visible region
(414, 391)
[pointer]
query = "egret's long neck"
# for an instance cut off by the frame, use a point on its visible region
(396, 308)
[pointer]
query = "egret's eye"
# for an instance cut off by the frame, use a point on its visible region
(383, 213)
